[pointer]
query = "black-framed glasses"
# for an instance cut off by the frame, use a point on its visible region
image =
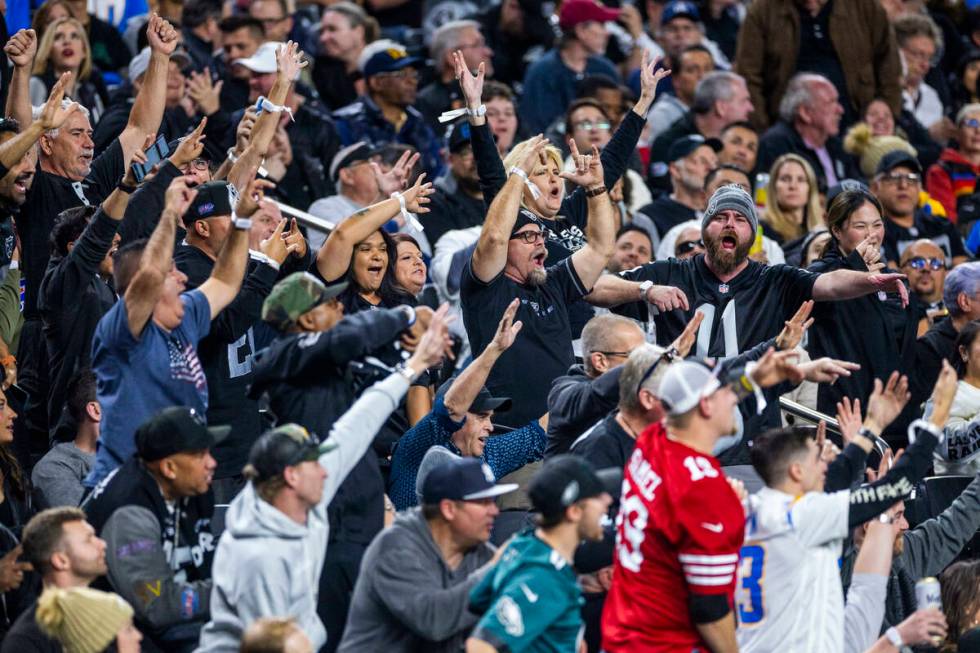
(670, 355)
(529, 237)
(687, 247)
(920, 262)
(588, 125)
(910, 178)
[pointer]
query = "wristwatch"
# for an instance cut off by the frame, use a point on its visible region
(406, 371)
(644, 287)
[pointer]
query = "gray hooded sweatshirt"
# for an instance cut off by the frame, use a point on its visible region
(406, 598)
(267, 564)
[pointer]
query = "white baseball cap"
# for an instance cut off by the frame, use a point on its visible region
(264, 59)
(685, 384)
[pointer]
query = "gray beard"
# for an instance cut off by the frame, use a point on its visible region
(536, 278)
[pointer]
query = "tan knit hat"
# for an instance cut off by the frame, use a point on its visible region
(83, 620)
(869, 149)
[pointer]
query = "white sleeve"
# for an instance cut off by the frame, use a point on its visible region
(864, 611)
(818, 517)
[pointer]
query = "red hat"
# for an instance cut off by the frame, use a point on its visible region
(576, 12)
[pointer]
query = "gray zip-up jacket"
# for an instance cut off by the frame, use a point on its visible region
(267, 564)
(406, 598)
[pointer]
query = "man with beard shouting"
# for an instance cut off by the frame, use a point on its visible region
(744, 302)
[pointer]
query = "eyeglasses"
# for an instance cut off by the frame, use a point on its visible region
(910, 178)
(668, 356)
(610, 354)
(198, 164)
(920, 262)
(529, 237)
(687, 247)
(970, 122)
(588, 125)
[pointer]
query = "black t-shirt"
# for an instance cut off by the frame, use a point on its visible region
(334, 84)
(939, 230)
(543, 350)
(667, 213)
(50, 195)
(25, 636)
(606, 444)
(748, 310)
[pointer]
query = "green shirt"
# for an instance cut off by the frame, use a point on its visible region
(530, 601)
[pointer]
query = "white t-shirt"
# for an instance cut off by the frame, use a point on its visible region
(789, 593)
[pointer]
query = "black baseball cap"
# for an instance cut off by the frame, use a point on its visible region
(358, 152)
(174, 430)
(285, 446)
(458, 136)
(897, 158)
(524, 218)
(214, 199)
(567, 478)
(484, 400)
(684, 146)
(465, 479)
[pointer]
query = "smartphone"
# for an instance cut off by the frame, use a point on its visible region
(154, 155)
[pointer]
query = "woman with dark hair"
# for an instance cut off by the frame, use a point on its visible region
(960, 583)
(881, 338)
(409, 265)
(18, 586)
(959, 452)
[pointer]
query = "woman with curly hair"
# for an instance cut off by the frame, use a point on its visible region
(65, 48)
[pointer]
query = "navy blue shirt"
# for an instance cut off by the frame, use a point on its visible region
(550, 85)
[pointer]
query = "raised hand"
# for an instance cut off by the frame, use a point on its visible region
(435, 344)
(943, 394)
(189, 147)
(139, 156)
(775, 367)
(849, 419)
(795, 327)
(470, 84)
(870, 251)
(886, 402)
(205, 94)
(179, 196)
(650, 77)
(827, 370)
(275, 246)
(667, 298)
(21, 48)
(52, 115)
(689, 335)
(417, 196)
(534, 154)
(161, 35)
(588, 168)
(293, 236)
(243, 132)
(396, 178)
(12, 571)
(507, 330)
(248, 200)
(891, 282)
(289, 61)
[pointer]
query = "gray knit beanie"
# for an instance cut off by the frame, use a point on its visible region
(731, 197)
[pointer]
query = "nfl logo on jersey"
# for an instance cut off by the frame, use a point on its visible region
(723, 288)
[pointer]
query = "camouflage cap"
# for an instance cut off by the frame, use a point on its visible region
(285, 446)
(295, 295)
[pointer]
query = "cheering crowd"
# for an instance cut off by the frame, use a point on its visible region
(445, 325)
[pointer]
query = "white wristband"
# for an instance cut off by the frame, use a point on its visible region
(925, 426)
(895, 637)
(242, 223)
(408, 215)
(760, 399)
(264, 104)
(448, 116)
(531, 186)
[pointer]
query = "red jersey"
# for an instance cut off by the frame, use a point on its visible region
(679, 531)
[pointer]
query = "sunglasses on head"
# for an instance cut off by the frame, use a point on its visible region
(669, 356)
(920, 262)
(688, 246)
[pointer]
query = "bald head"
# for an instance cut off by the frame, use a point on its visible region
(607, 341)
(924, 262)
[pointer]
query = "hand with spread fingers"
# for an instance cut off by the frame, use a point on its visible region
(792, 333)
(588, 168)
